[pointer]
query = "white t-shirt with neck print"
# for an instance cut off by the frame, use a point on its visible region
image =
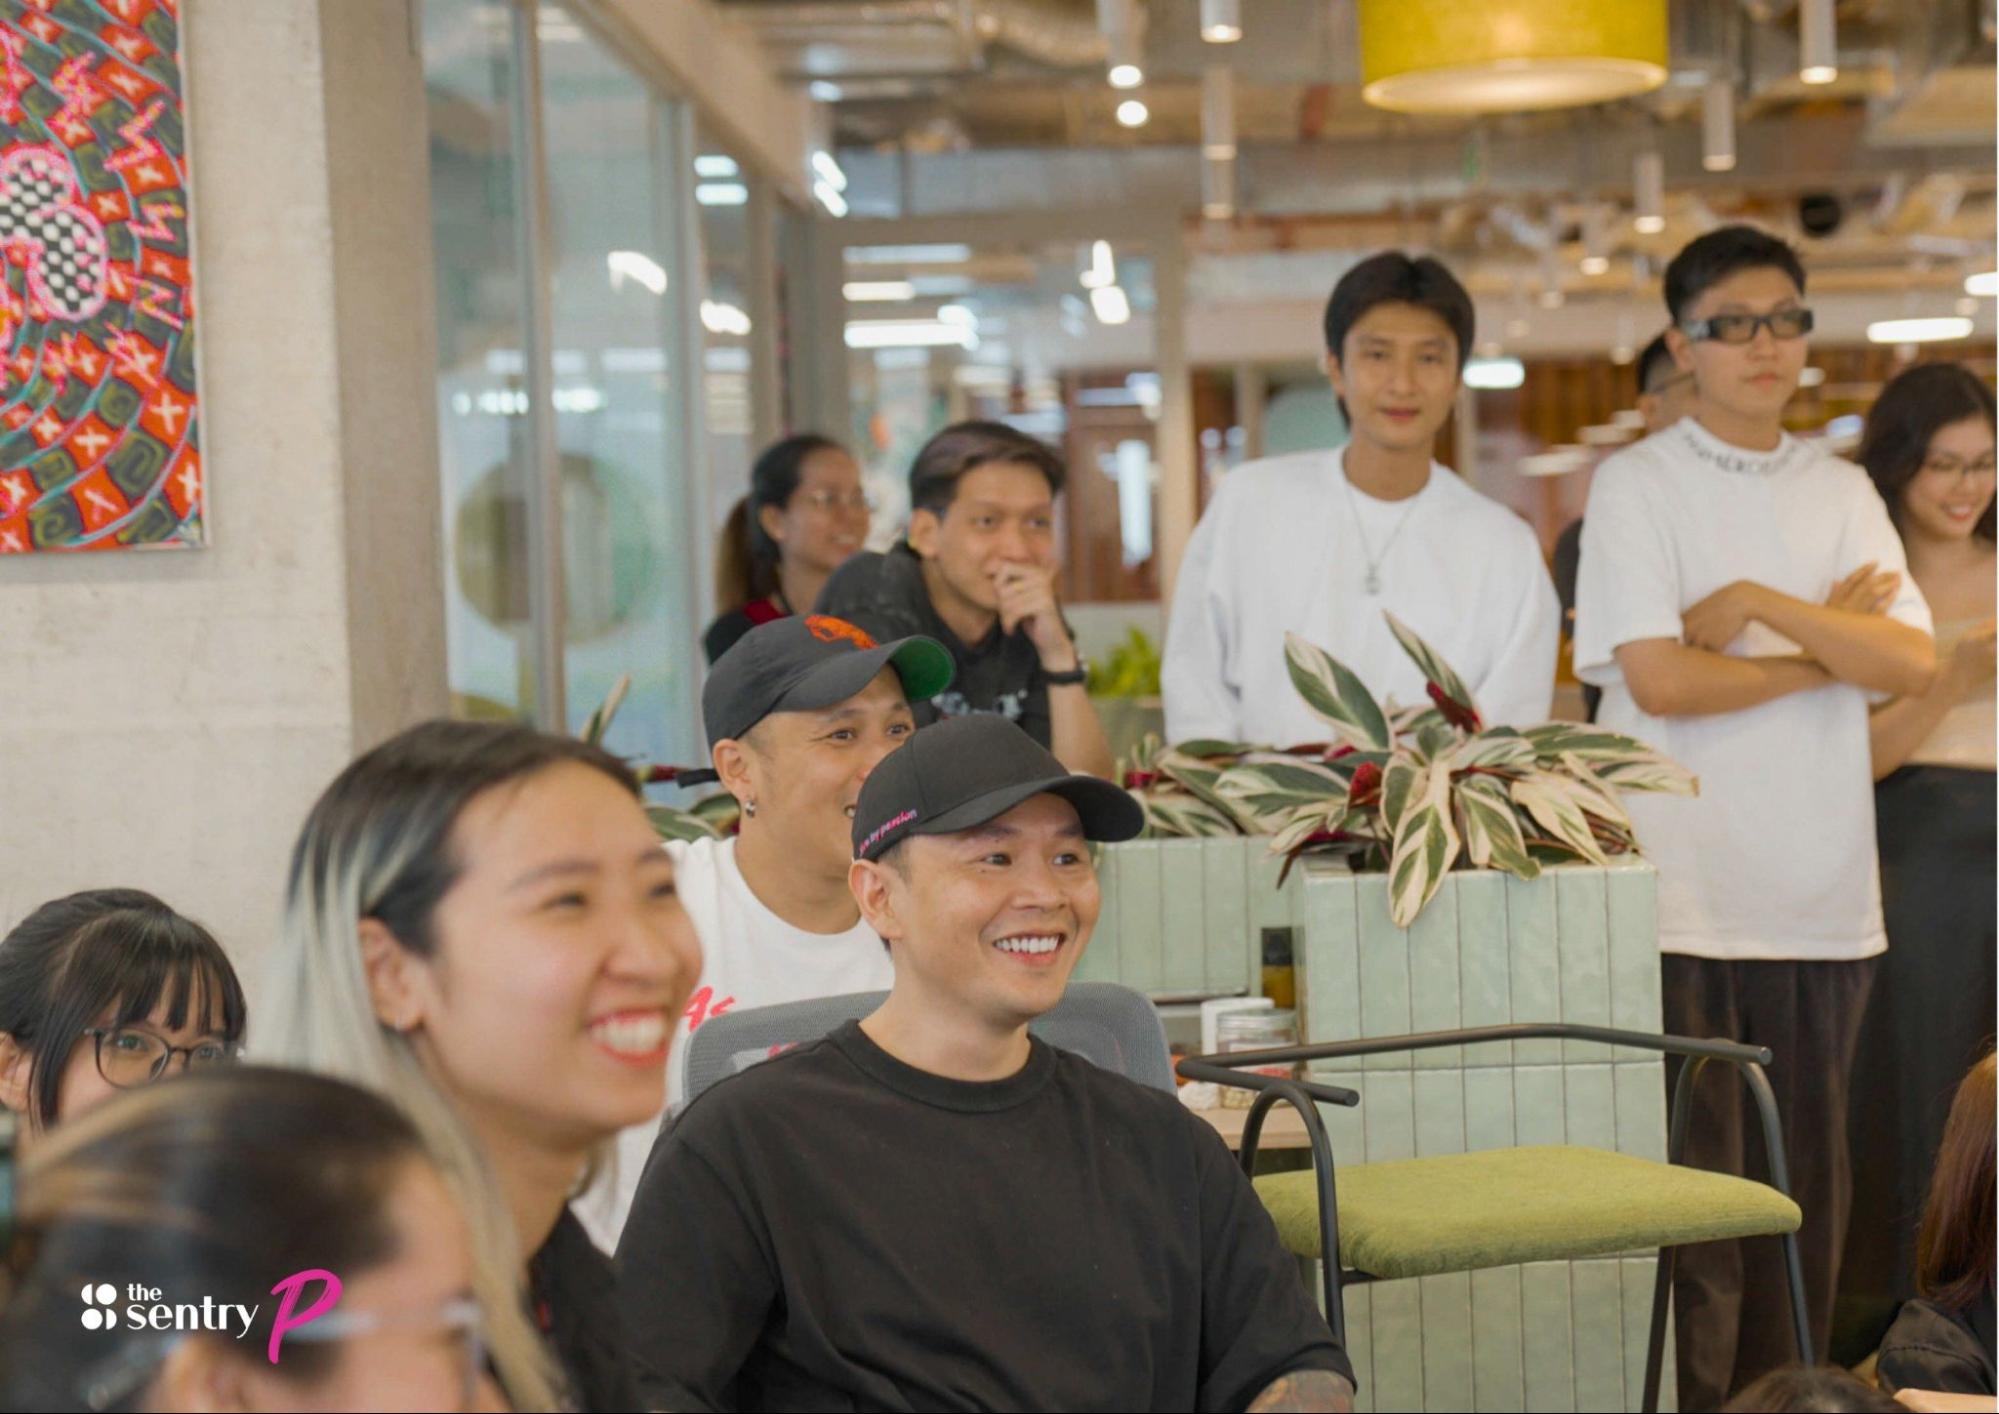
(750, 957)
(1775, 859)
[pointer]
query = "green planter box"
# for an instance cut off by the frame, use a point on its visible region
(1185, 917)
(1579, 944)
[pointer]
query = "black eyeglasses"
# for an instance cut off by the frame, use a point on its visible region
(128, 1057)
(1741, 328)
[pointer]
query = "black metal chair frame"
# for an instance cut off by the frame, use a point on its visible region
(1748, 1062)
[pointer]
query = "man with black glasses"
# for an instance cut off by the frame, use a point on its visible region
(1709, 553)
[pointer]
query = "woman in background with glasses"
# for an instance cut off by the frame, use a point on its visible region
(804, 515)
(1929, 448)
(216, 1192)
(104, 991)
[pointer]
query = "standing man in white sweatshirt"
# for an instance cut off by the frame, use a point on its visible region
(1321, 543)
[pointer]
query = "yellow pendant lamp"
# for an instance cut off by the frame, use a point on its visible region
(1507, 56)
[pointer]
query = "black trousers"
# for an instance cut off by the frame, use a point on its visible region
(1930, 1017)
(1730, 1301)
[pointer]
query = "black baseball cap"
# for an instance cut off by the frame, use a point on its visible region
(805, 662)
(965, 771)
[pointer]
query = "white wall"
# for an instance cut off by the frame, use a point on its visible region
(166, 718)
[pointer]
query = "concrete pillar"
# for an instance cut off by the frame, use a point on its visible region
(166, 719)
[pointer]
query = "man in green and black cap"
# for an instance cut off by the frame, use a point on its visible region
(932, 1209)
(798, 712)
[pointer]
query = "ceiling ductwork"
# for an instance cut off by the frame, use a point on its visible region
(1044, 31)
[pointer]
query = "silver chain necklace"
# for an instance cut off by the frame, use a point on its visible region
(1372, 582)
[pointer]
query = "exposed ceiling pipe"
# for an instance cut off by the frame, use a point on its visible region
(1043, 31)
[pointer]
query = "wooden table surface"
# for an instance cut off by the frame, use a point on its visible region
(1282, 1128)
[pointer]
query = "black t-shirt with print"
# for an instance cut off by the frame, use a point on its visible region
(1001, 673)
(833, 1229)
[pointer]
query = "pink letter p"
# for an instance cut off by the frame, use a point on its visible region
(291, 1287)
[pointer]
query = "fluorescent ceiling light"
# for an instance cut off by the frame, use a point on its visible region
(1810, 377)
(941, 286)
(865, 291)
(1133, 114)
(1103, 267)
(957, 314)
(909, 334)
(828, 170)
(721, 193)
(908, 254)
(1984, 283)
(1918, 331)
(1126, 76)
(830, 198)
(1595, 265)
(1495, 373)
(823, 92)
(1110, 304)
(635, 265)
(1556, 461)
(715, 164)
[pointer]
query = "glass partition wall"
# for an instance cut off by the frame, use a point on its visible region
(596, 284)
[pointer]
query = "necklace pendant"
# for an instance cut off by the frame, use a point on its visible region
(1373, 581)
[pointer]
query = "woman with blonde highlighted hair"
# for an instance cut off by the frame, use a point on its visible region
(481, 925)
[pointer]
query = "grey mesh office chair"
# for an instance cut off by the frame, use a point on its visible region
(1108, 1025)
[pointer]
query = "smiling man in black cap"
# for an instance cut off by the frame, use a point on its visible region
(931, 1209)
(798, 712)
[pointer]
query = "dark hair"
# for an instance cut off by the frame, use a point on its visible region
(1394, 278)
(413, 787)
(965, 446)
(217, 1186)
(1708, 260)
(747, 559)
(106, 952)
(1818, 1389)
(1655, 356)
(1917, 404)
(1954, 1255)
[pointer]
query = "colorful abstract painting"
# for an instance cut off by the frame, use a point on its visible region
(98, 446)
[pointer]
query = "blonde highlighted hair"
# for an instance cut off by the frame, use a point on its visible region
(377, 844)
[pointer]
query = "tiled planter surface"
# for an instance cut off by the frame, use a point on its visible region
(1579, 944)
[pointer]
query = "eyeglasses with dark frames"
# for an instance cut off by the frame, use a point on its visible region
(1951, 469)
(128, 1056)
(1742, 328)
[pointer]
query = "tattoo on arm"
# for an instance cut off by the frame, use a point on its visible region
(1304, 1390)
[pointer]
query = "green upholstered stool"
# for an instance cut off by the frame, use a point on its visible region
(1463, 1212)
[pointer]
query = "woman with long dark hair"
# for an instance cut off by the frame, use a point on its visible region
(1943, 1340)
(108, 990)
(804, 515)
(217, 1208)
(1929, 449)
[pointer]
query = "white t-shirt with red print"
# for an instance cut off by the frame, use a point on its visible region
(750, 957)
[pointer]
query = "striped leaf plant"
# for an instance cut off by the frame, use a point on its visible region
(1413, 791)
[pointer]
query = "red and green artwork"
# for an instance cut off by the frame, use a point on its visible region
(98, 446)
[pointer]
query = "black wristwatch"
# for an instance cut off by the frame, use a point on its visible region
(1069, 679)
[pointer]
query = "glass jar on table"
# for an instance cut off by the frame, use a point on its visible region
(1255, 1031)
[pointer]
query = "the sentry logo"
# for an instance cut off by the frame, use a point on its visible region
(145, 1309)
